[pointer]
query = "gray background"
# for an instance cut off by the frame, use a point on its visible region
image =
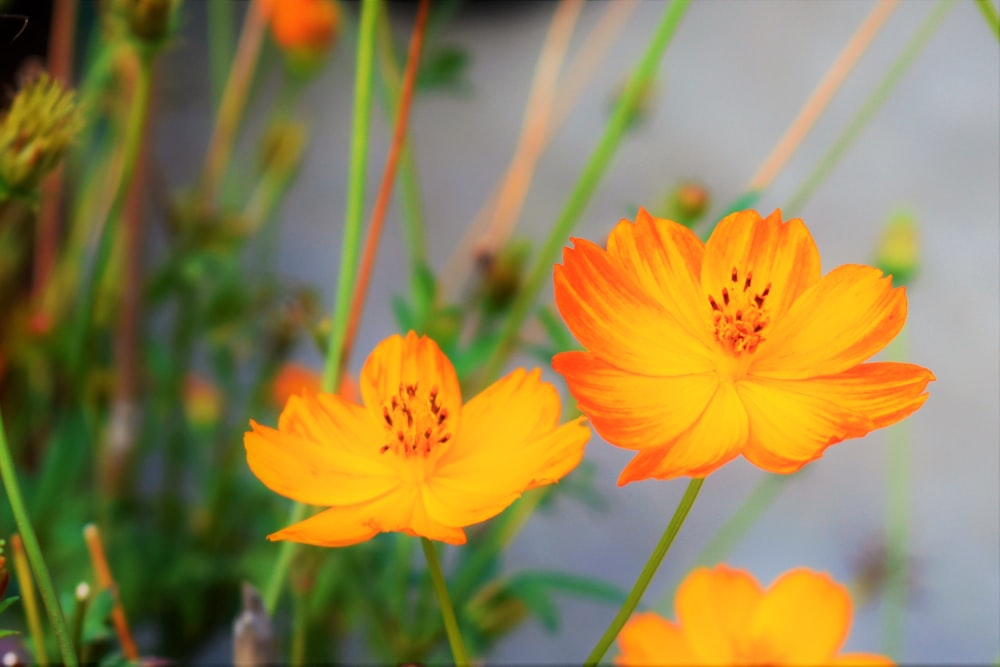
(732, 80)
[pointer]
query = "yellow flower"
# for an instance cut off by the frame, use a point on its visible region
(696, 353)
(724, 617)
(411, 458)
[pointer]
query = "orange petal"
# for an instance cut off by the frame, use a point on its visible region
(334, 421)
(613, 316)
(509, 441)
(648, 639)
(793, 421)
(664, 258)
(804, 616)
(782, 255)
(631, 410)
(314, 472)
(711, 442)
(414, 360)
(714, 607)
(841, 321)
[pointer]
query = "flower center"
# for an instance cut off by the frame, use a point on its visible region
(415, 423)
(739, 315)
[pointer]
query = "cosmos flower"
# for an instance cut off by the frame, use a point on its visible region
(696, 353)
(724, 617)
(412, 458)
(302, 25)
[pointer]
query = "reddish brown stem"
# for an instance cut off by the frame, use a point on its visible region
(102, 571)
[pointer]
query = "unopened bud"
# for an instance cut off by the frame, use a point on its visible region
(148, 21)
(501, 275)
(687, 203)
(898, 250)
(82, 591)
(41, 124)
(304, 29)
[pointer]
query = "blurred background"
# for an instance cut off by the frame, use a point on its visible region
(733, 79)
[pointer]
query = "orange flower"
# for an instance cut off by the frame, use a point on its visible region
(724, 617)
(699, 352)
(412, 458)
(307, 25)
(294, 379)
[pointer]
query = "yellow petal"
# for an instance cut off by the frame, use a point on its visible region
(844, 319)
(713, 440)
(407, 361)
(648, 639)
(714, 607)
(334, 421)
(614, 317)
(782, 255)
(509, 441)
(314, 472)
(664, 258)
(804, 616)
(631, 410)
(793, 422)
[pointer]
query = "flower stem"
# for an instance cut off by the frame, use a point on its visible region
(348, 259)
(447, 611)
(585, 186)
(28, 599)
(991, 15)
(872, 104)
(34, 552)
(647, 572)
(897, 524)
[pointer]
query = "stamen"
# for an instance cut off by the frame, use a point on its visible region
(388, 419)
(735, 276)
(725, 296)
(715, 304)
(759, 300)
(746, 283)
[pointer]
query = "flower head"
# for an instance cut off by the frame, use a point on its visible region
(696, 353)
(412, 458)
(302, 26)
(724, 617)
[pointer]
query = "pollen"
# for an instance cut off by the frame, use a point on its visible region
(739, 317)
(415, 422)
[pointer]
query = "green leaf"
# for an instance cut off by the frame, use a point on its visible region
(444, 69)
(535, 587)
(424, 292)
(7, 633)
(403, 314)
(556, 330)
(8, 602)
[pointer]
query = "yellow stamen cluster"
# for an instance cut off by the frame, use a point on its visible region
(415, 423)
(740, 318)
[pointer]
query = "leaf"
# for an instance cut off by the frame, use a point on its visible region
(8, 633)
(556, 330)
(535, 587)
(424, 293)
(403, 313)
(444, 69)
(8, 602)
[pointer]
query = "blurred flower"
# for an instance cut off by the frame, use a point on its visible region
(697, 353)
(412, 458)
(295, 379)
(898, 251)
(724, 617)
(687, 203)
(202, 401)
(302, 27)
(148, 21)
(42, 122)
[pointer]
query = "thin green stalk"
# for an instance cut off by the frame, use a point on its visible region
(897, 530)
(872, 104)
(23, 572)
(447, 611)
(599, 160)
(348, 257)
(220, 44)
(299, 627)
(991, 15)
(82, 595)
(632, 601)
(38, 566)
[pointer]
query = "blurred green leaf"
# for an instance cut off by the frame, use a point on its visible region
(444, 69)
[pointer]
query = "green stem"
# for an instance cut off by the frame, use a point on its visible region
(897, 524)
(991, 15)
(632, 601)
(220, 44)
(585, 187)
(872, 104)
(38, 567)
(348, 257)
(447, 611)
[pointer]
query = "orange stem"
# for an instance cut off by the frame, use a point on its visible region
(822, 95)
(106, 582)
(388, 178)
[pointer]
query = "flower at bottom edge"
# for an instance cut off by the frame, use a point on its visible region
(696, 353)
(411, 457)
(725, 617)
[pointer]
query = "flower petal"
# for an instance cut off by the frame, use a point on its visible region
(714, 607)
(399, 361)
(712, 441)
(630, 410)
(509, 441)
(664, 258)
(648, 639)
(333, 421)
(841, 321)
(613, 316)
(314, 472)
(793, 421)
(860, 660)
(780, 254)
(805, 615)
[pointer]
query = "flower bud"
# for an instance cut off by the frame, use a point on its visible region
(304, 29)
(687, 203)
(149, 22)
(501, 275)
(898, 250)
(41, 124)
